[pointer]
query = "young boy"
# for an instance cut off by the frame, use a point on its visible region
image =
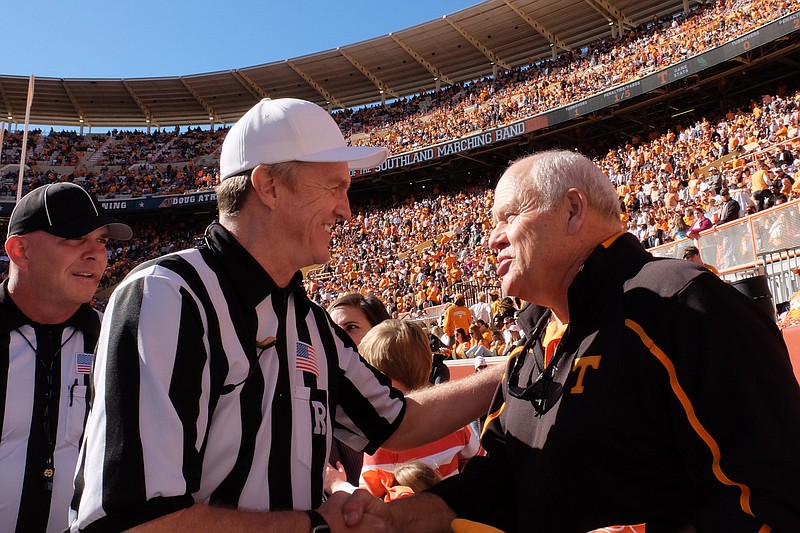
(401, 350)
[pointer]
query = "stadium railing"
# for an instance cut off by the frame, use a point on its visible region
(765, 243)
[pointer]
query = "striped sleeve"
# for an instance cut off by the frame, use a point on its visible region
(150, 354)
(368, 408)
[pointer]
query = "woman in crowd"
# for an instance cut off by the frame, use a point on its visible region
(356, 314)
(506, 308)
(498, 346)
(700, 224)
(462, 344)
(478, 345)
(678, 227)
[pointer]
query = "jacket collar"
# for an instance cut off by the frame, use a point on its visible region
(603, 274)
(251, 281)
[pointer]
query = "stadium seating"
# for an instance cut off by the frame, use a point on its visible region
(386, 245)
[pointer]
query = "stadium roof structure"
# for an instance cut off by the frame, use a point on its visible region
(478, 41)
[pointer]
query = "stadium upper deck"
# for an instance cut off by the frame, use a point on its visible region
(490, 37)
(490, 105)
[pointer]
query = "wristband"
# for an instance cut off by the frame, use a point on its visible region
(318, 523)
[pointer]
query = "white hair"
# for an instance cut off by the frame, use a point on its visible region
(548, 175)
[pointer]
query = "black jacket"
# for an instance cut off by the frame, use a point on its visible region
(678, 406)
(729, 212)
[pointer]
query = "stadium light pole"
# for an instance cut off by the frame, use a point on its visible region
(25, 138)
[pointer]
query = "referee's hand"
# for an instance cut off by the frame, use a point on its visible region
(362, 512)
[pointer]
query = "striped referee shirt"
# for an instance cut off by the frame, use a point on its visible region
(38, 362)
(215, 385)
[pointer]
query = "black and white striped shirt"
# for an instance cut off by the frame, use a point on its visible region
(36, 362)
(215, 385)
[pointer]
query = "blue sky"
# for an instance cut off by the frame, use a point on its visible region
(148, 38)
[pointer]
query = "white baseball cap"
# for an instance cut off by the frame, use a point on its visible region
(288, 129)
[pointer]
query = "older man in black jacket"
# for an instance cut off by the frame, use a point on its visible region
(615, 412)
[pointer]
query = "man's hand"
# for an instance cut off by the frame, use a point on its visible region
(335, 479)
(422, 513)
(360, 511)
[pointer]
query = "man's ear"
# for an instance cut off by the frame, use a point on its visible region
(263, 181)
(577, 205)
(17, 250)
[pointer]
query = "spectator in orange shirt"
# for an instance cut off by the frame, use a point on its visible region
(434, 294)
(498, 346)
(462, 344)
(456, 316)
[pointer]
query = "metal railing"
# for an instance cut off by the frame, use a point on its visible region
(765, 243)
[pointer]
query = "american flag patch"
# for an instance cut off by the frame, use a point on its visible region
(307, 358)
(83, 363)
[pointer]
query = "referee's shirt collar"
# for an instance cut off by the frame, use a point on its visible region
(254, 282)
(11, 317)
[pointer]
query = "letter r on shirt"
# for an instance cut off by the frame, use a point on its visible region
(318, 408)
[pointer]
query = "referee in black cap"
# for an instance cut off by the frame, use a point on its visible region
(56, 245)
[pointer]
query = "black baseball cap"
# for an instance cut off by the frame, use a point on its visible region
(65, 210)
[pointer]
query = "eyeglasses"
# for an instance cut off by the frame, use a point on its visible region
(543, 392)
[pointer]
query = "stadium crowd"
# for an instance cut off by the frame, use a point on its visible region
(463, 109)
(414, 252)
(128, 161)
(414, 248)
(120, 164)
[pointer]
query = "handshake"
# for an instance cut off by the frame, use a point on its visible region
(361, 511)
(420, 513)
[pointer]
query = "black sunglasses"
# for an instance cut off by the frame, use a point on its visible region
(543, 392)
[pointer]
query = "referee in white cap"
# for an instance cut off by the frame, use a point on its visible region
(56, 246)
(219, 384)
